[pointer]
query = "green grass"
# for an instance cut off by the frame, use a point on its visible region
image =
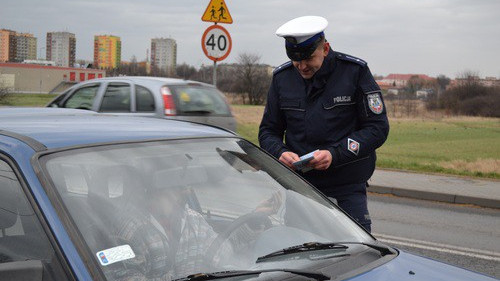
(249, 132)
(28, 100)
(424, 145)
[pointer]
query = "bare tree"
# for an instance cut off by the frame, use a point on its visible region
(252, 78)
(186, 72)
(133, 67)
(469, 97)
(414, 84)
(442, 82)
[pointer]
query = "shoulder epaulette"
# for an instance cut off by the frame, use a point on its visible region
(282, 67)
(350, 58)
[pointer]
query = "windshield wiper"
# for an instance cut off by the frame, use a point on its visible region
(314, 246)
(383, 249)
(236, 273)
(310, 246)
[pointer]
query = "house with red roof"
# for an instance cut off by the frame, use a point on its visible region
(400, 80)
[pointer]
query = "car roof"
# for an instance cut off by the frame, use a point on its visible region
(145, 79)
(58, 127)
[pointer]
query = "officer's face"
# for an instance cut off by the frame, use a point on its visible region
(309, 66)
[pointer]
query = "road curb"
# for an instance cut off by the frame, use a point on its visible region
(435, 196)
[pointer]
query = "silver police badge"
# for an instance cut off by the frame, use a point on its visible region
(375, 103)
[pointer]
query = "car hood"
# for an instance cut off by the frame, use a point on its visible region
(415, 268)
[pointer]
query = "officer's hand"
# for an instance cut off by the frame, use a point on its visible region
(288, 158)
(322, 160)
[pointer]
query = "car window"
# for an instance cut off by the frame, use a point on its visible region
(195, 99)
(58, 101)
(144, 99)
(116, 98)
(23, 241)
(83, 97)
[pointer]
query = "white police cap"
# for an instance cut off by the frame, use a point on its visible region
(302, 28)
(302, 36)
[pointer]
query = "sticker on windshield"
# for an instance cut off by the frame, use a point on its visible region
(116, 254)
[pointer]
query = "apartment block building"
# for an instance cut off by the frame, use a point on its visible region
(26, 47)
(107, 51)
(61, 48)
(8, 45)
(164, 54)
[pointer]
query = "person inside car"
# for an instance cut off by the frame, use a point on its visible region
(173, 239)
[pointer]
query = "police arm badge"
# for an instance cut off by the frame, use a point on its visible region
(353, 146)
(375, 103)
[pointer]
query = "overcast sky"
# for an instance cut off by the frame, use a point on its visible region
(394, 36)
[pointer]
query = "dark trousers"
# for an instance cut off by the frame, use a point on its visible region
(352, 199)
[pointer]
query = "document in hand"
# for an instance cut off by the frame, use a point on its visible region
(304, 159)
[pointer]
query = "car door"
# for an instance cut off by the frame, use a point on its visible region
(117, 98)
(26, 252)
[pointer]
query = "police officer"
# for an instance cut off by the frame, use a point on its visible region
(326, 101)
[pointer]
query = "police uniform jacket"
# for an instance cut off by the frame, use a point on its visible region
(340, 109)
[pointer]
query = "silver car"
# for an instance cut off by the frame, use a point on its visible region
(150, 96)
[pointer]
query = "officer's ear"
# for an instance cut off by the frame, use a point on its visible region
(326, 48)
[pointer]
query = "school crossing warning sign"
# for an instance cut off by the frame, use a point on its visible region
(217, 12)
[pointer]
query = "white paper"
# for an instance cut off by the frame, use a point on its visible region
(116, 254)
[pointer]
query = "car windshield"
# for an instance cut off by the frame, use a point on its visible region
(196, 99)
(169, 209)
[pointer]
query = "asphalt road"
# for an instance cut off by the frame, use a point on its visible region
(463, 236)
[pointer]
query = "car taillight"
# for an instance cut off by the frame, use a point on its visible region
(168, 100)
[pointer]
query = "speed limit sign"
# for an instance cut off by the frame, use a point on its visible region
(216, 43)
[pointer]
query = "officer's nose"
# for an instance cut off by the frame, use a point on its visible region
(301, 65)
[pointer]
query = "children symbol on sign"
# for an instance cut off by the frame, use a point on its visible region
(212, 12)
(221, 10)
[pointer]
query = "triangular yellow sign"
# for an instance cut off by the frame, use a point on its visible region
(217, 12)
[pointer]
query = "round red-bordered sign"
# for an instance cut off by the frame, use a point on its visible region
(216, 43)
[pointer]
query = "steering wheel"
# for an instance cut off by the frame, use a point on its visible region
(253, 219)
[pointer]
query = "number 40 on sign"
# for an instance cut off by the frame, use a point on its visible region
(216, 43)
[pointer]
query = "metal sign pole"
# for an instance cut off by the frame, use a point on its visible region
(214, 78)
(215, 74)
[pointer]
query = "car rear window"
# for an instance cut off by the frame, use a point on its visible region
(195, 100)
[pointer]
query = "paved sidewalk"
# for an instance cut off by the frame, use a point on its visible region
(460, 190)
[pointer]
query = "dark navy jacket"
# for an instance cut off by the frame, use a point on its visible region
(341, 110)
